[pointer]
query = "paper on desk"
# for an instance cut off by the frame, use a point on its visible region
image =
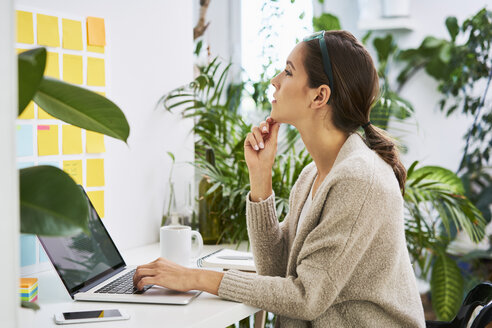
(213, 261)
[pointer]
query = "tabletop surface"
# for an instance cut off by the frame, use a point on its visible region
(206, 310)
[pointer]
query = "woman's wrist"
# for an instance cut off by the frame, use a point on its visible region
(206, 280)
(260, 185)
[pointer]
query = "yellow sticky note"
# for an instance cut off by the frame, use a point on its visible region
(72, 140)
(18, 50)
(99, 49)
(95, 72)
(97, 199)
(102, 93)
(72, 69)
(52, 65)
(94, 142)
(28, 113)
(74, 169)
(47, 140)
(95, 172)
(48, 30)
(25, 28)
(96, 35)
(42, 115)
(72, 34)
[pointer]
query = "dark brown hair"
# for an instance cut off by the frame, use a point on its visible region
(355, 90)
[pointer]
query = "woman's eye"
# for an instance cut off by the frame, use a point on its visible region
(287, 72)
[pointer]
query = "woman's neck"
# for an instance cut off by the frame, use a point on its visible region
(323, 144)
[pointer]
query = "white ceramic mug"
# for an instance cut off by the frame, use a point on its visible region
(175, 242)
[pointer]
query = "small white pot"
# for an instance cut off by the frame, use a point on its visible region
(396, 8)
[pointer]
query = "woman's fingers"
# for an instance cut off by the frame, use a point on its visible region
(259, 138)
(251, 141)
(146, 281)
(143, 272)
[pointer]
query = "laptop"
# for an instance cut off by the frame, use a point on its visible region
(92, 269)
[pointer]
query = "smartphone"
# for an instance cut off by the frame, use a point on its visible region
(90, 316)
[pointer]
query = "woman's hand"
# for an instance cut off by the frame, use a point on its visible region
(164, 273)
(260, 146)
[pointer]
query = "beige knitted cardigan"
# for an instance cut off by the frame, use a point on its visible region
(348, 266)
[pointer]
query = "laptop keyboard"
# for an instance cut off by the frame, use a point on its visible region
(122, 285)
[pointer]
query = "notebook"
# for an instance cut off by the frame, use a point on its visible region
(228, 259)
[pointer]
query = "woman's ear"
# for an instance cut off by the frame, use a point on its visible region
(321, 96)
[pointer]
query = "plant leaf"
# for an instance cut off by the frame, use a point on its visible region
(31, 64)
(51, 203)
(82, 108)
(452, 26)
(446, 287)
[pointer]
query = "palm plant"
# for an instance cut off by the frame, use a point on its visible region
(434, 203)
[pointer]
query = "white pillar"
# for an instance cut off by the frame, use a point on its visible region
(9, 181)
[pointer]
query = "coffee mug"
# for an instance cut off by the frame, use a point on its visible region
(175, 242)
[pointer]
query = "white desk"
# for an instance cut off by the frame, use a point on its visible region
(206, 310)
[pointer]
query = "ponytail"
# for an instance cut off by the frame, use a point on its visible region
(380, 141)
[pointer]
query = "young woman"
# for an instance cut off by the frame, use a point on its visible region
(339, 258)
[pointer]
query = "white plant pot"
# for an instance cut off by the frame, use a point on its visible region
(396, 8)
(369, 9)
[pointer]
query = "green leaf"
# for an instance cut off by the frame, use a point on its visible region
(447, 179)
(82, 108)
(326, 22)
(31, 69)
(51, 203)
(384, 47)
(446, 287)
(453, 28)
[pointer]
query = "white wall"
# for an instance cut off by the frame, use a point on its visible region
(9, 189)
(432, 138)
(149, 51)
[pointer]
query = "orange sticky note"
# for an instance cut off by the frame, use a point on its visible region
(72, 34)
(97, 199)
(95, 72)
(72, 69)
(48, 30)
(42, 115)
(95, 172)
(25, 28)
(72, 140)
(96, 35)
(74, 169)
(94, 142)
(52, 65)
(28, 113)
(47, 140)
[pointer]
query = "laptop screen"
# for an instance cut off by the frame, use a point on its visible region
(81, 259)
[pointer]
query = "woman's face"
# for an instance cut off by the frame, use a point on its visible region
(291, 97)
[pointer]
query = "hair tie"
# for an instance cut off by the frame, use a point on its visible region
(366, 125)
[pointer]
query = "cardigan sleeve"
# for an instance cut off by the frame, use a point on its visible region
(269, 238)
(313, 289)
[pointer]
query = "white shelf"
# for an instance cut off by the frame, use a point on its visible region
(397, 23)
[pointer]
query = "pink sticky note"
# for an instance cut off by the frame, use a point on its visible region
(43, 127)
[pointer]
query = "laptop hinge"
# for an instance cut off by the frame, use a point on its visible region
(98, 281)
